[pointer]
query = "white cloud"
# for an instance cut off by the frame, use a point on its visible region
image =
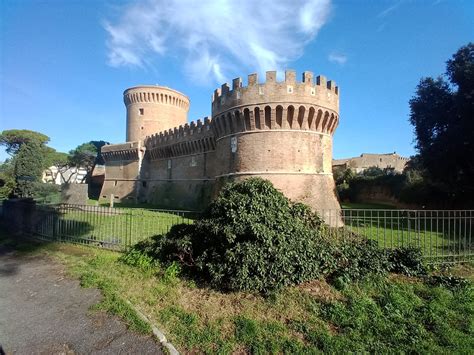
(215, 37)
(337, 58)
(389, 9)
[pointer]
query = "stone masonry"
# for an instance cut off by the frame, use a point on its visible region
(280, 131)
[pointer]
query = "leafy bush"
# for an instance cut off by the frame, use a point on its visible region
(356, 258)
(253, 238)
(406, 260)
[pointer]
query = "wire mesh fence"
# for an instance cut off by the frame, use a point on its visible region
(441, 235)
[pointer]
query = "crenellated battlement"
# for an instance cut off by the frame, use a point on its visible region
(155, 95)
(120, 152)
(192, 138)
(311, 91)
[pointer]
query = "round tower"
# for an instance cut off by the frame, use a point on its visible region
(152, 109)
(280, 131)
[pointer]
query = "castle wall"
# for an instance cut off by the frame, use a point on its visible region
(179, 168)
(123, 164)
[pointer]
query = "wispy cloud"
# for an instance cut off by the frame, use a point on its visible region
(337, 58)
(389, 9)
(215, 37)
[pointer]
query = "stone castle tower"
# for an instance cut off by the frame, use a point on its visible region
(152, 109)
(280, 131)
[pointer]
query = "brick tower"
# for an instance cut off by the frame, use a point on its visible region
(152, 109)
(280, 131)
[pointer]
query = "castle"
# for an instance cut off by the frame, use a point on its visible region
(368, 160)
(280, 131)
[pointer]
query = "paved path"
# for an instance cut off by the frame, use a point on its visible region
(42, 311)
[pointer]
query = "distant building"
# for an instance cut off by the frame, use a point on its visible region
(367, 160)
(59, 176)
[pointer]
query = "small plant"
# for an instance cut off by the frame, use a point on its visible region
(448, 281)
(406, 260)
(356, 258)
(137, 258)
(172, 272)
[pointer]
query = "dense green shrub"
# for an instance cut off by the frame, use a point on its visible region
(253, 238)
(406, 260)
(356, 258)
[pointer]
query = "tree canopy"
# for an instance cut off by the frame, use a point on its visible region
(28, 168)
(30, 156)
(442, 112)
(13, 139)
(87, 155)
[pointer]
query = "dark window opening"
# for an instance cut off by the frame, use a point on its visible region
(144, 183)
(141, 111)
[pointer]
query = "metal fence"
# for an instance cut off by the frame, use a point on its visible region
(111, 228)
(442, 235)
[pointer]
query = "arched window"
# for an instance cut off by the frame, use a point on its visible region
(248, 127)
(279, 116)
(290, 115)
(301, 112)
(257, 118)
(268, 117)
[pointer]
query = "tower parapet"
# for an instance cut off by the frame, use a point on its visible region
(307, 105)
(153, 109)
(193, 138)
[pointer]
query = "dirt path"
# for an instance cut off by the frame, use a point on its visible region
(42, 311)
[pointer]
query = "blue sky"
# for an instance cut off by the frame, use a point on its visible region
(64, 64)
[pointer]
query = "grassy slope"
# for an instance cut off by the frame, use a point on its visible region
(379, 315)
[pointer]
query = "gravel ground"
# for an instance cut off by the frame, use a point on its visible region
(42, 311)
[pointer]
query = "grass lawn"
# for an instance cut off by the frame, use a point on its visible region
(367, 206)
(379, 315)
(436, 234)
(113, 228)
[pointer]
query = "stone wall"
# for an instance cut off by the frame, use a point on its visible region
(76, 194)
(123, 164)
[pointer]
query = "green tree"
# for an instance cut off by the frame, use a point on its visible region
(58, 160)
(13, 139)
(7, 179)
(28, 168)
(442, 112)
(87, 155)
